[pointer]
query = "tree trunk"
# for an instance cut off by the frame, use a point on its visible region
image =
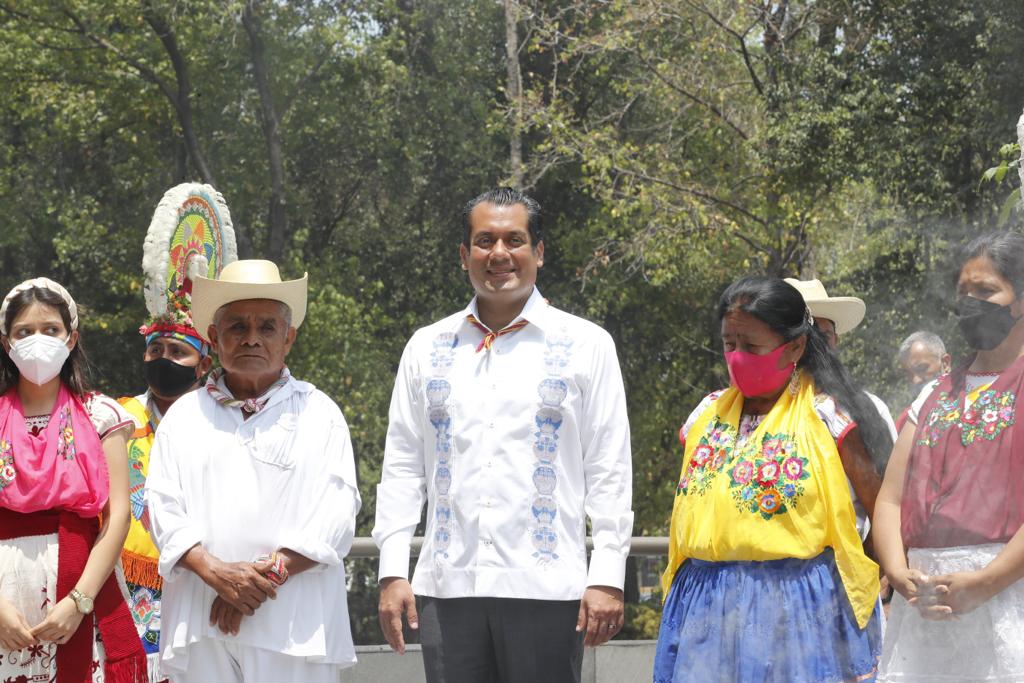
(514, 90)
(278, 219)
(183, 100)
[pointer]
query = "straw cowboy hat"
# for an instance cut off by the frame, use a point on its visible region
(248, 279)
(845, 311)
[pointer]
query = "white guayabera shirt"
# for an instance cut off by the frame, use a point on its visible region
(513, 448)
(284, 478)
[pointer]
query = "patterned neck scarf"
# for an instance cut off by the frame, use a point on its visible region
(488, 341)
(248, 405)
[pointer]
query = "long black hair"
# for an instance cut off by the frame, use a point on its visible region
(780, 306)
(74, 371)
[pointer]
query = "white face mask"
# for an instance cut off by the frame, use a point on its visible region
(39, 357)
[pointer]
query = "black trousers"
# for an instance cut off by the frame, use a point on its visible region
(500, 640)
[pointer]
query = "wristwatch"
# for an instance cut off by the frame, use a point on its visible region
(82, 602)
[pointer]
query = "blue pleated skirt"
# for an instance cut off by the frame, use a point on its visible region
(784, 621)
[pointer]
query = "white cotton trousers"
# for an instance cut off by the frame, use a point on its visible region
(211, 660)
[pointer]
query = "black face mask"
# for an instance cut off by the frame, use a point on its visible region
(168, 379)
(984, 324)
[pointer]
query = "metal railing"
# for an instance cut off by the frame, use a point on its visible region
(650, 546)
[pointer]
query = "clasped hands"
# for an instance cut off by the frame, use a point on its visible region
(945, 596)
(60, 624)
(241, 587)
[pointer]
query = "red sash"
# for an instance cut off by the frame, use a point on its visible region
(125, 658)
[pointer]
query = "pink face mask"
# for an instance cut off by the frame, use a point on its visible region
(757, 375)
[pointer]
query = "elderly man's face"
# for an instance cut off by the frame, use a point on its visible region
(252, 337)
(922, 365)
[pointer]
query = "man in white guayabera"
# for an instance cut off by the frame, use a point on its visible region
(252, 495)
(509, 419)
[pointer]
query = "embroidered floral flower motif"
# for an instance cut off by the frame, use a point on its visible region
(768, 486)
(743, 472)
(701, 454)
(770, 503)
(991, 413)
(712, 453)
(793, 468)
(66, 435)
(7, 472)
(771, 447)
(768, 473)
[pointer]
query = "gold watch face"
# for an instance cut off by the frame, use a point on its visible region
(83, 603)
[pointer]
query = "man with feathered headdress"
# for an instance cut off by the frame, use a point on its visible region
(190, 235)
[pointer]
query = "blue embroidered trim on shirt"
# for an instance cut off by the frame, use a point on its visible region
(552, 391)
(438, 392)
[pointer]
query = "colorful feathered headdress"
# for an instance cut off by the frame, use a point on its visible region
(190, 235)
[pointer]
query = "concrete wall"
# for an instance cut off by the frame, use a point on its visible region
(620, 661)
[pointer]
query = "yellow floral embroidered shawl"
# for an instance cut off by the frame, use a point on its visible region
(782, 494)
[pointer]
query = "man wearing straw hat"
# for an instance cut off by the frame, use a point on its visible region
(252, 494)
(834, 316)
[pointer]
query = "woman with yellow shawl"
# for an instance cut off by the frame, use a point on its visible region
(767, 578)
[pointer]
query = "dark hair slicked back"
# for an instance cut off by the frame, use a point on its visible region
(506, 196)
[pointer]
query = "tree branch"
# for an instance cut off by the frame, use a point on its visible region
(183, 99)
(278, 223)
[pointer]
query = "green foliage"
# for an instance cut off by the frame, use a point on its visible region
(675, 144)
(642, 620)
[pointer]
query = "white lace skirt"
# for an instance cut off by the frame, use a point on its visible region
(986, 644)
(28, 580)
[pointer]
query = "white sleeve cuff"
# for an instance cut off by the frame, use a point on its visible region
(394, 555)
(607, 568)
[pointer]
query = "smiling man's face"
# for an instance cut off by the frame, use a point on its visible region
(501, 261)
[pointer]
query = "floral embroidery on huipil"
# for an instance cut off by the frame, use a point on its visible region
(7, 471)
(985, 417)
(66, 445)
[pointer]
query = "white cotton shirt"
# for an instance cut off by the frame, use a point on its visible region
(284, 478)
(512, 449)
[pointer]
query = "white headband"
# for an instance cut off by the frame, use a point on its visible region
(41, 283)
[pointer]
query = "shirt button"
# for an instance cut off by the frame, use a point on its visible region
(491, 425)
